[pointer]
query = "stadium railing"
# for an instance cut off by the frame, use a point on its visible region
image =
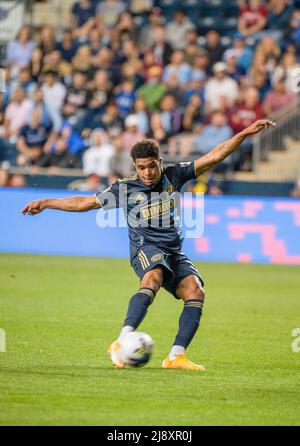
(280, 139)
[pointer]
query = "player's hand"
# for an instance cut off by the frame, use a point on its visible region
(34, 208)
(258, 126)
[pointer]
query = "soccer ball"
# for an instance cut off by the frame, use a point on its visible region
(136, 349)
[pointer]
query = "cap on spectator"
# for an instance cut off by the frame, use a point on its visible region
(131, 121)
(219, 67)
(238, 36)
(154, 71)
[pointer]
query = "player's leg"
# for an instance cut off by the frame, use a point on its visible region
(190, 290)
(138, 306)
(137, 309)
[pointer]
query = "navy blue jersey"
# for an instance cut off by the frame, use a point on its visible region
(152, 212)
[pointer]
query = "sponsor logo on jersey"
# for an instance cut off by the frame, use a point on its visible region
(156, 210)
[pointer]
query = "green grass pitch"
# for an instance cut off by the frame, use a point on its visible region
(61, 313)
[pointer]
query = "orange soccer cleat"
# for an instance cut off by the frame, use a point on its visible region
(181, 362)
(114, 352)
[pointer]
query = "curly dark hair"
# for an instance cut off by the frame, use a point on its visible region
(146, 148)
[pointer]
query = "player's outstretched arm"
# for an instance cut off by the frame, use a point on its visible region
(72, 204)
(223, 150)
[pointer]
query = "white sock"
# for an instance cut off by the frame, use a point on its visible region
(124, 332)
(176, 351)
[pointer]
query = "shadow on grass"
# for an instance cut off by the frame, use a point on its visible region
(80, 371)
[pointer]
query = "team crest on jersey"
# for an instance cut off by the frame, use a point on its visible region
(169, 188)
(156, 258)
(139, 198)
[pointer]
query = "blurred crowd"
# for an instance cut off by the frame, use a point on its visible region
(125, 70)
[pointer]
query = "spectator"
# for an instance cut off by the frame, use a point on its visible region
(59, 157)
(140, 110)
(36, 64)
(131, 134)
(25, 82)
(213, 134)
(291, 69)
(247, 112)
(33, 137)
(126, 28)
(100, 93)
(278, 97)
(147, 33)
(83, 17)
(108, 12)
(261, 82)
(19, 51)
(16, 180)
(269, 48)
(233, 69)
(201, 63)
(149, 62)
(292, 33)
(94, 40)
(16, 114)
(38, 103)
(121, 165)
(220, 86)
(76, 97)
(97, 159)
(173, 88)
(157, 130)
(104, 61)
(192, 48)
(83, 61)
(252, 18)
(170, 115)
(111, 117)
(91, 183)
(242, 53)
(73, 139)
(141, 7)
(279, 17)
(196, 87)
(177, 29)
(54, 62)
(214, 47)
(162, 50)
(54, 95)
(47, 39)
(153, 90)
(67, 46)
(178, 66)
(193, 114)
(125, 97)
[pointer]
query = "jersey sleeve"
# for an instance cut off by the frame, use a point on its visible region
(181, 173)
(110, 198)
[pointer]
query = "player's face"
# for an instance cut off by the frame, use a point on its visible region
(148, 170)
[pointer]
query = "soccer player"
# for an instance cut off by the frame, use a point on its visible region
(155, 248)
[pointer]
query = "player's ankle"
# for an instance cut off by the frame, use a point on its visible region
(176, 350)
(124, 332)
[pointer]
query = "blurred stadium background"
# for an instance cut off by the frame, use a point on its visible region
(84, 80)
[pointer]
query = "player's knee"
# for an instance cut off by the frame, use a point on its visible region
(153, 280)
(191, 289)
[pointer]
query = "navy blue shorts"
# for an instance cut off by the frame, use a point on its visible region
(175, 266)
